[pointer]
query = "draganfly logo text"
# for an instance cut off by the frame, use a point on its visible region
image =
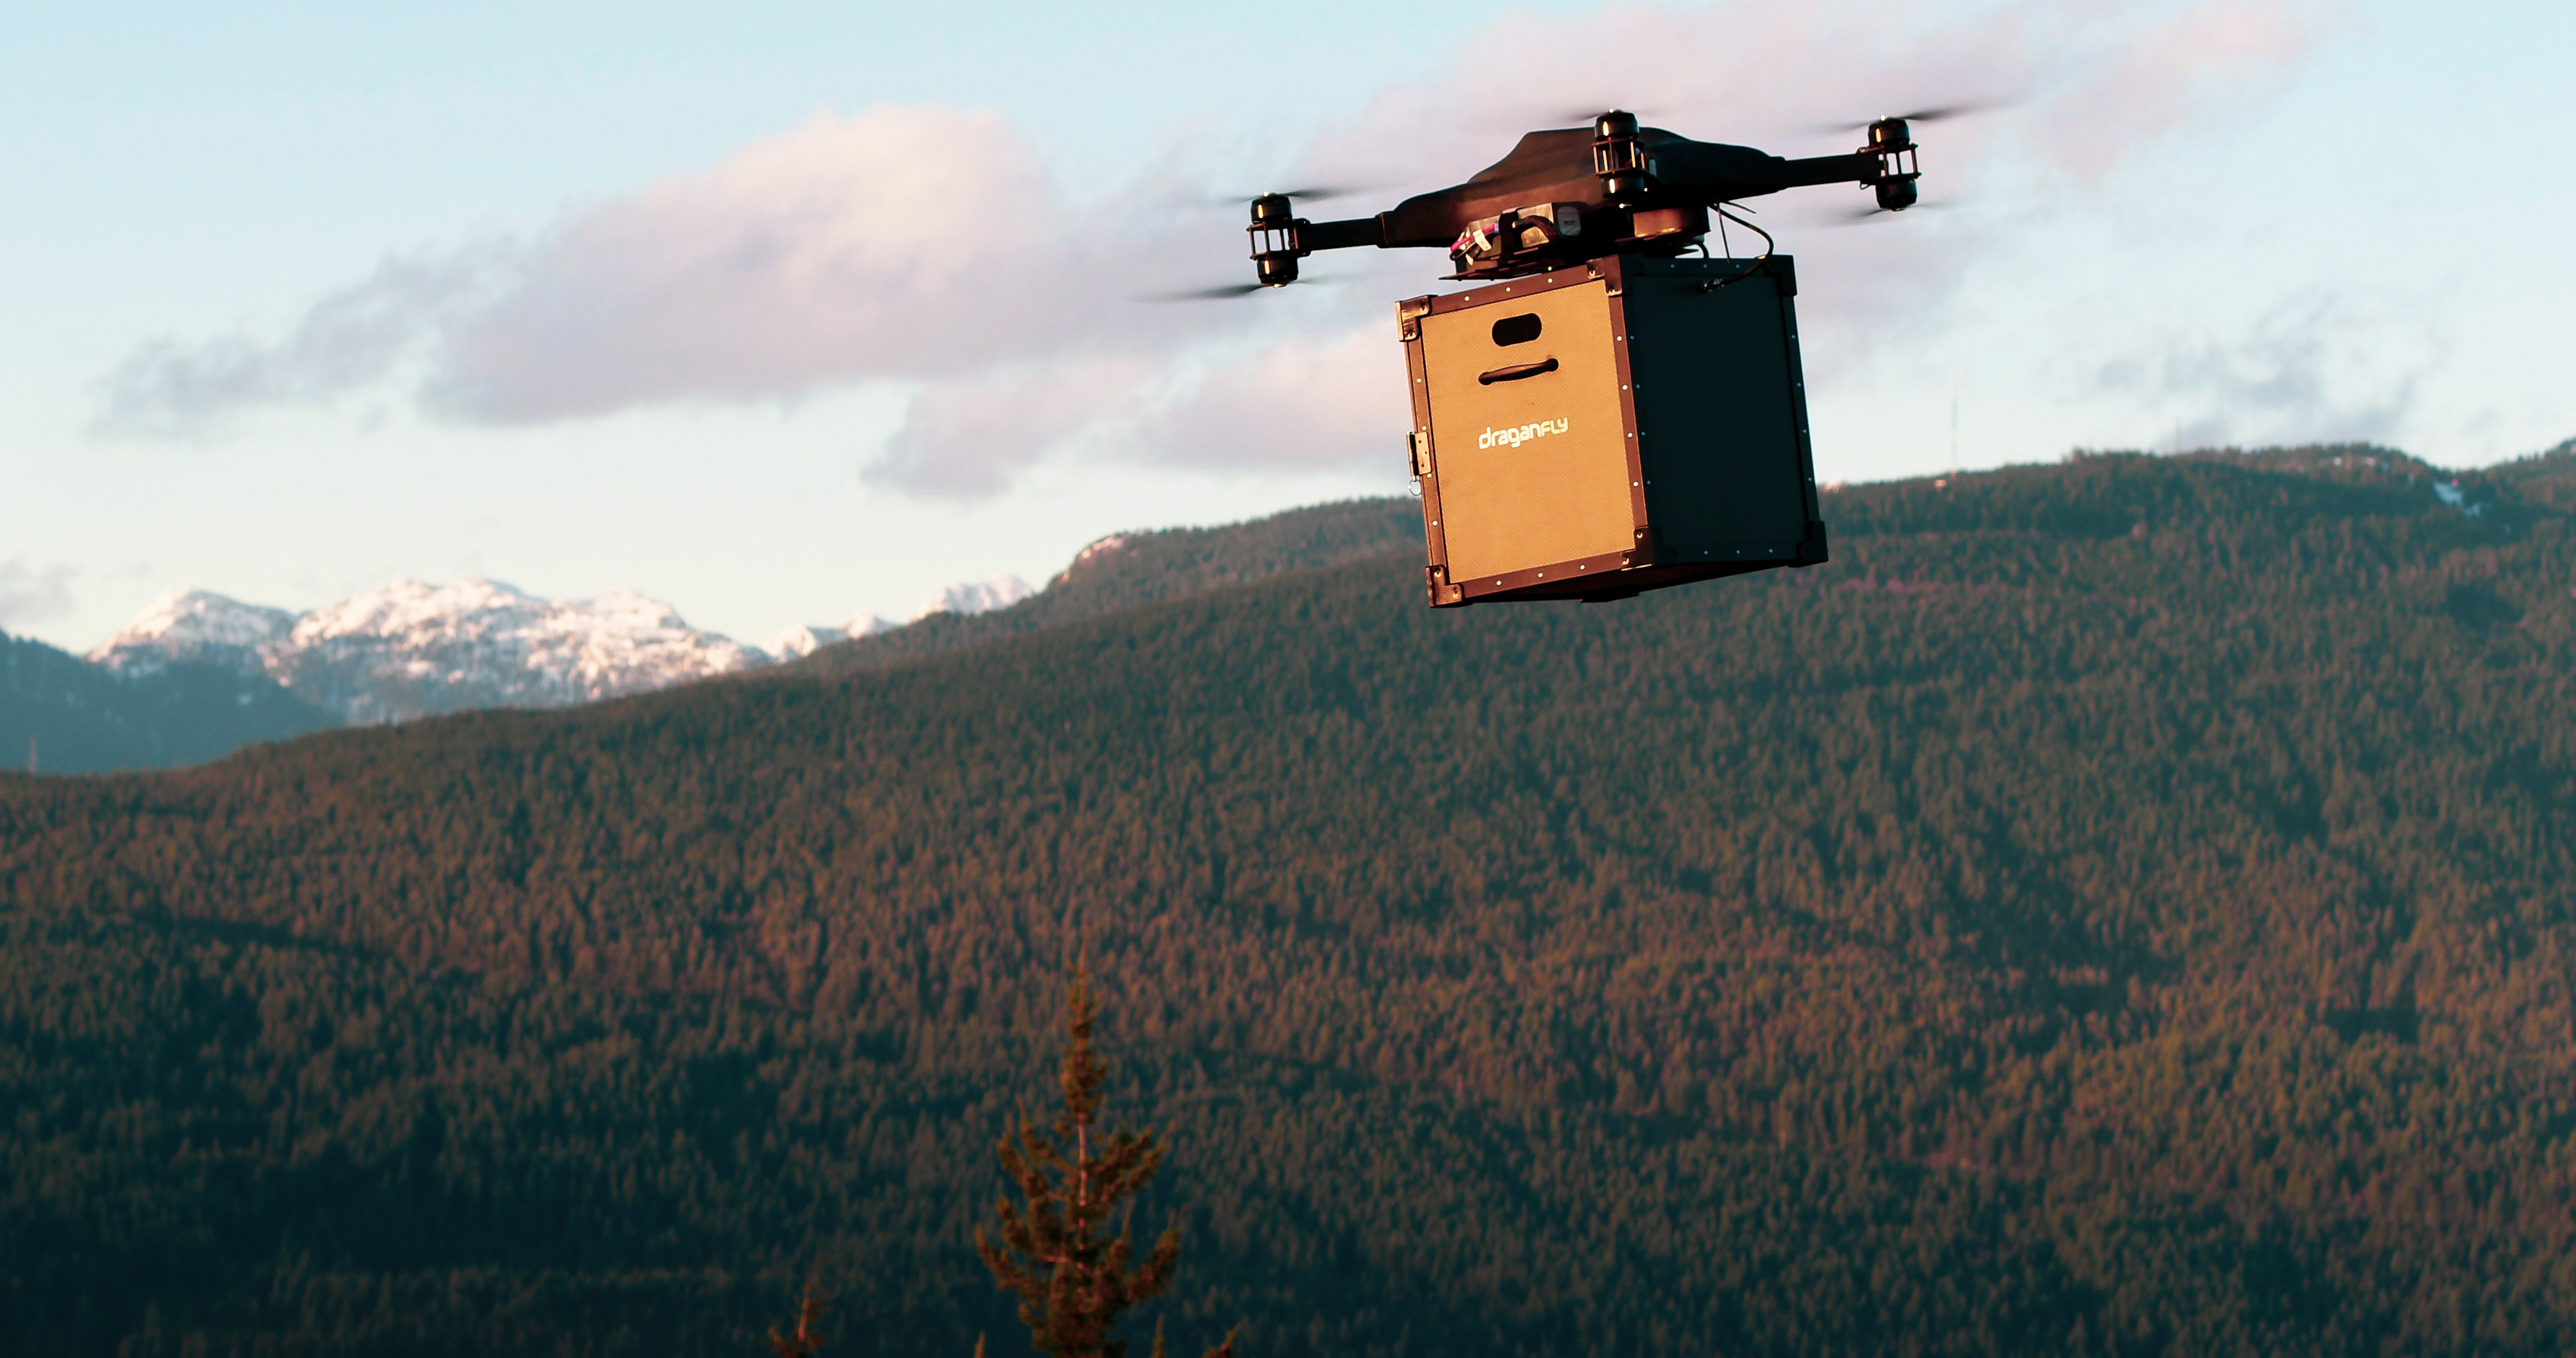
(1515, 437)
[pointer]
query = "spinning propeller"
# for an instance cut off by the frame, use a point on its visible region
(1928, 115)
(1313, 195)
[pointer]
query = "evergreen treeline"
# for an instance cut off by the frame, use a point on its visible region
(1127, 569)
(2114, 908)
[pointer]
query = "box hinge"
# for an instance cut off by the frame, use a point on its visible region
(1408, 317)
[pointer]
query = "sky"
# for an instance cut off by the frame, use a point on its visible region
(795, 313)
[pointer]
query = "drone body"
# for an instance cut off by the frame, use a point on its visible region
(1573, 194)
(1598, 416)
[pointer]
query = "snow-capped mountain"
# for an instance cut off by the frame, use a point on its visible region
(412, 649)
(979, 596)
(812, 637)
(196, 625)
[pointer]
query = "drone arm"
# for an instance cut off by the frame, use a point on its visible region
(1280, 238)
(1343, 235)
(1890, 171)
(1887, 164)
(1857, 168)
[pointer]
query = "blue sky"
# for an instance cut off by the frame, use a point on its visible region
(785, 313)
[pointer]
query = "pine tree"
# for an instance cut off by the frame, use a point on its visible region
(1056, 1250)
(805, 1341)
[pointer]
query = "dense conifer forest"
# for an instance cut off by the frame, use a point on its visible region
(2118, 907)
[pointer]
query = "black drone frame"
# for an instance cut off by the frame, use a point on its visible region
(1574, 194)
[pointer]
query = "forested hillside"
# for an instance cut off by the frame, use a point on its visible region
(2117, 907)
(63, 714)
(1127, 569)
(164, 702)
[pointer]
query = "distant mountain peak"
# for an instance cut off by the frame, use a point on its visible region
(408, 605)
(412, 648)
(966, 600)
(978, 596)
(196, 624)
(811, 637)
(1093, 555)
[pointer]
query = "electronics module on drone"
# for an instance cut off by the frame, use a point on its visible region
(1596, 415)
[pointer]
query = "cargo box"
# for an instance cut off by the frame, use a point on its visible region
(1611, 427)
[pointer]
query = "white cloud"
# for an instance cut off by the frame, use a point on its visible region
(1308, 402)
(932, 246)
(2190, 67)
(969, 437)
(33, 594)
(348, 341)
(900, 243)
(2311, 367)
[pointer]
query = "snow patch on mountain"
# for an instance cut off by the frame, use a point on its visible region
(981, 596)
(194, 624)
(1099, 551)
(976, 596)
(412, 649)
(806, 640)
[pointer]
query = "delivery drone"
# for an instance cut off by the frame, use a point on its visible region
(1597, 415)
(1574, 194)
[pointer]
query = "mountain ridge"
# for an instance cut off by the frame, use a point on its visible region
(976, 596)
(1140, 566)
(2113, 906)
(412, 649)
(62, 713)
(354, 664)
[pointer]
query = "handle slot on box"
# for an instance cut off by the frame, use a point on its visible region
(1516, 372)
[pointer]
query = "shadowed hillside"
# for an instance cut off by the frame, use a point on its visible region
(67, 715)
(2114, 908)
